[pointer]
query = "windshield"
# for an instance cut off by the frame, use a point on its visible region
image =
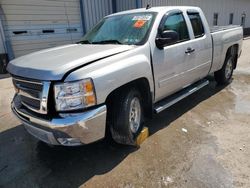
(131, 29)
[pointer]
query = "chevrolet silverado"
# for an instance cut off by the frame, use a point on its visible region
(130, 65)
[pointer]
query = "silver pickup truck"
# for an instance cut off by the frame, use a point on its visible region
(130, 65)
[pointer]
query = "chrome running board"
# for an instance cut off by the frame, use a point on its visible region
(171, 100)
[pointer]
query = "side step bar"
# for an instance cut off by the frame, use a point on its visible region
(171, 100)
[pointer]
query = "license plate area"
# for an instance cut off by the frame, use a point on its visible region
(40, 134)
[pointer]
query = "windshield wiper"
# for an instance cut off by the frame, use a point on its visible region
(84, 42)
(107, 42)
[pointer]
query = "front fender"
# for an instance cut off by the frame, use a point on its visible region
(116, 71)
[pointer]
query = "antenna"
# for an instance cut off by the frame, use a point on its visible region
(148, 6)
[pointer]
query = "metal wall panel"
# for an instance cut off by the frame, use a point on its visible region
(95, 10)
(2, 49)
(33, 25)
(222, 7)
(122, 5)
(2, 46)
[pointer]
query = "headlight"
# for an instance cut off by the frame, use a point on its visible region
(74, 95)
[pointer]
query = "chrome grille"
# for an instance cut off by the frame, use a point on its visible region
(33, 94)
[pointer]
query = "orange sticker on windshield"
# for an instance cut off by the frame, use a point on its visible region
(140, 23)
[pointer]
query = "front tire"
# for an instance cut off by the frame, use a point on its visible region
(126, 117)
(224, 75)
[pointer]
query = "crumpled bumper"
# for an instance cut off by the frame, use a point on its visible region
(67, 129)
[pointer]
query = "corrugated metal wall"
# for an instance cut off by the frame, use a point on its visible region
(32, 25)
(2, 48)
(94, 10)
(223, 7)
(122, 5)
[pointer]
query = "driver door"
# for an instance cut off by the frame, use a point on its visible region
(171, 64)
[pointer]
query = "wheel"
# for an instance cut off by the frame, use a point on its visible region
(126, 117)
(224, 75)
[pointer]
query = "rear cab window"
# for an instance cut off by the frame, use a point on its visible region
(197, 24)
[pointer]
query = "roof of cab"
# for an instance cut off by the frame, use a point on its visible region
(158, 9)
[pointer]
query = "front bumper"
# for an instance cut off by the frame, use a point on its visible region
(68, 129)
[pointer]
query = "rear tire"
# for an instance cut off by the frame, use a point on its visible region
(224, 75)
(126, 117)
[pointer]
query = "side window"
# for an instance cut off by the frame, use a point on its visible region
(231, 18)
(177, 23)
(215, 22)
(243, 19)
(197, 25)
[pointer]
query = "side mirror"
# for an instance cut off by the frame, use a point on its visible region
(166, 38)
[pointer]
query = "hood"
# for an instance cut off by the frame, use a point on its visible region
(52, 64)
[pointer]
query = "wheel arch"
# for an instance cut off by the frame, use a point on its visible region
(143, 86)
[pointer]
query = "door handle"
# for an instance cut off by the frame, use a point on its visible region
(189, 50)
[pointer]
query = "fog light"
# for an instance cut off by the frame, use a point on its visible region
(69, 141)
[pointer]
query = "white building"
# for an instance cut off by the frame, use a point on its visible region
(30, 25)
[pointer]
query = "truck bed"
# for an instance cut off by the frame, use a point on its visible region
(222, 28)
(223, 37)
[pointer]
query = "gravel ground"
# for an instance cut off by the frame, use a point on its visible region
(202, 141)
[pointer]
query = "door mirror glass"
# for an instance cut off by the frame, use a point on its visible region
(166, 38)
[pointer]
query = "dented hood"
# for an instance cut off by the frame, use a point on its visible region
(52, 64)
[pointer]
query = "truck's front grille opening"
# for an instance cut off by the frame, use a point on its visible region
(28, 85)
(31, 93)
(30, 102)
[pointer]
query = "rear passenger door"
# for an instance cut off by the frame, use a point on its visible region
(202, 43)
